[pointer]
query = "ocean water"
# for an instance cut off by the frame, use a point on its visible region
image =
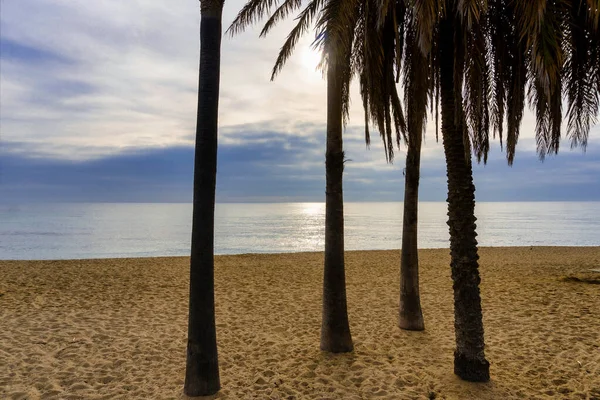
(76, 230)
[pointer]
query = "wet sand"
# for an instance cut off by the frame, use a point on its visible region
(116, 328)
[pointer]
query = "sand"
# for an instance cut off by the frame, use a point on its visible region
(116, 328)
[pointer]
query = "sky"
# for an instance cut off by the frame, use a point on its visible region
(98, 104)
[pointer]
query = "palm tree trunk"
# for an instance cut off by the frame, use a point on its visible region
(202, 368)
(335, 330)
(469, 358)
(411, 316)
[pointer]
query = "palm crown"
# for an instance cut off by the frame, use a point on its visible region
(510, 52)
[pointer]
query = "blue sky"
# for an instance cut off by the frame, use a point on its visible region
(97, 103)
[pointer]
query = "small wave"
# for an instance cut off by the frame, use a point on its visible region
(24, 233)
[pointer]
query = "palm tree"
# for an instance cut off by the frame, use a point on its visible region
(469, 358)
(416, 88)
(545, 50)
(537, 44)
(375, 51)
(440, 30)
(400, 52)
(435, 42)
(335, 329)
(541, 45)
(202, 368)
(379, 48)
(352, 46)
(454, 33)
(373, 55)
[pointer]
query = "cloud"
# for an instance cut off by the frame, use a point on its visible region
(272, 169)
(18, 52)
(104, 94)
(103, 77)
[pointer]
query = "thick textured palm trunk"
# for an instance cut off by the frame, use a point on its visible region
(411, 316)
(202, 368)
(335, 330)
(469, 358)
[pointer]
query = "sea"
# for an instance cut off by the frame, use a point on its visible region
(107, 230)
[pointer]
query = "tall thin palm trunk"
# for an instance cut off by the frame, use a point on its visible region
(202, 368)
(335, 330)
(411, 316)
(417, 80)
(469, 358)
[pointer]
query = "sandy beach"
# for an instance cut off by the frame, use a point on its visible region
(116, 328)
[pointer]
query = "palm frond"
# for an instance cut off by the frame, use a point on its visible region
(502, 38)
(541, 24)
(371, 71)
(280, 13)
(417, 81)
(335, 33)
(593, 7)
(304, 20)
(548, 117)
(252, 12)
(477, 84)
(581, 90)
(436, 85)
(471, 11)
(381, 60)
(335, 26)
(509, 61)
(517, 82)
(427, 14)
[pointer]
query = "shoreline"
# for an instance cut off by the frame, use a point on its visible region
(116, 328)
(293, 253)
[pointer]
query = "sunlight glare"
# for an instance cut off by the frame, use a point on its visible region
(311, 59)
(311, 209)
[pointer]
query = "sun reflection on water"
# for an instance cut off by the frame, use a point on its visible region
(311, 209)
